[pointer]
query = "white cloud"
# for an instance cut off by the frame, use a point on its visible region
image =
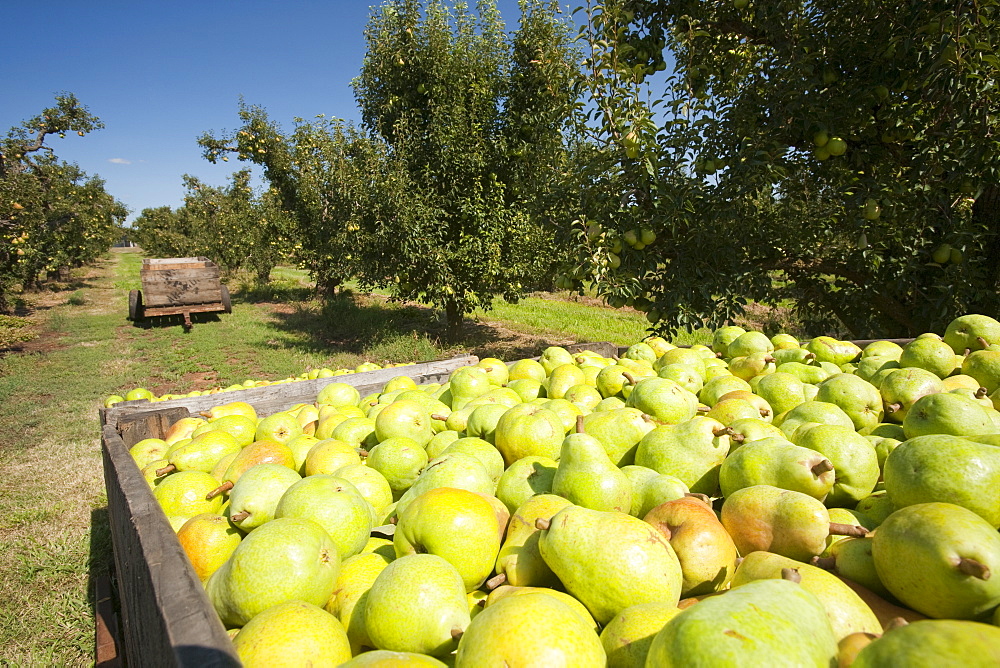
(120, 161)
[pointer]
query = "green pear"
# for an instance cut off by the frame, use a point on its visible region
(281, 427)
(519, 559)
(583, 396)
(358, 432)
(528, 429)
(255, 495)
(202, 452)
(567, 412)
(807, 373)
(417, 604)
(852, 559)
(779, 463)
(300, 447)
(406, 418)
(770, 519)
(283, 560)
(208, 540)
(562, 378)
(931, 643)
(495, 369)
(752, 625)
(338, 394)
(619, 430)
(847, 612)
(901, 388)
(184, 494)
(587, 476)
(504, 396)
(312, 635)
(692, 451)
(452, 469)
(455, 524)
(664, 400)
(857, 397)
(714, 388)
(793, 355)
(751, 366)
(869, 366)
(148, 450)
(947, 413)
(371, 484)
(482, 450)
(782, 341)
(877, 505)
(554, 356)
(886, 349)
(328, 455)
(931, 354)
(655, 491)
(830, 350)
(782, 391)
(441, 441)
(937, 558)
(527, 388)
(334, 504)
(855, 462)
(357, 574)
(705, 550)
(467, 383)
(526, 369)
(381, 658)
(400, 460)
(972, 332)
(725, 336)
(822, 412)
(984, 366)
(482, 422)
(627, 637)
(525, 478)
(749, 343)
(731, 409)
(640, 351)
(750, 429)
(508, 632)
(630, 560)
(612, 380)
(241, 427)
(945, 468)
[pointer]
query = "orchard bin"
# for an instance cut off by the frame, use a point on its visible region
(162, 616)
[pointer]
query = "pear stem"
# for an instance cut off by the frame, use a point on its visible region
(438, 416)
(738, 437)
(205, 414)
(221, 489)
(852, 530)
(361, 451)
(893, 407)
(169, 468)
(457, 633)
(894, 623)
(579, 424)
(704, 498)
(764, 412)
(791, 574)
(496, 581)
(976, 569)
(981, 392)
(822, 467)
(809, 356)
(702, 408)
(983, 342)
(769, 360)
(722, 431)
(826, 563)
(629, 377)
(739, 560)
(542, 524)
(687, 603)
(240, 516)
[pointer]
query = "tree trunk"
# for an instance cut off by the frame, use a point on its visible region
(986, 212)
(453, 321)
(264, 274)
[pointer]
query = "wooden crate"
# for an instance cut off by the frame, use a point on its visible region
(168, 282)
(165, 616)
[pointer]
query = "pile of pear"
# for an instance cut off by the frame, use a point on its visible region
(136, 393)
(753, 502)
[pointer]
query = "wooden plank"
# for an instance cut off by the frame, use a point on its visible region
(184, 292)
(602, 348)
(179, 310)
(150, 424)
(172, 273)
(275, 398)
(175, 262)
(106, 635)
(166, 617)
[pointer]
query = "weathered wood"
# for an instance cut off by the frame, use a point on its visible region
(213, 307)
(106, 635)
(167, 619)
(171, 273)
(175, 293)
(150, 424)
(176, 262)
(277, 397)
(602, 348)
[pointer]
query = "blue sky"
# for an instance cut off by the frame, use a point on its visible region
(159, 74)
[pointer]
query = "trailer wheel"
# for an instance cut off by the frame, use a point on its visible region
(227, 305)
(134, 305)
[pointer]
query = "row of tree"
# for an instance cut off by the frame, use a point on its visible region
(52, 214)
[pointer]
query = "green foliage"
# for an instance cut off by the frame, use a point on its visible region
(832, 146)
(52, 214)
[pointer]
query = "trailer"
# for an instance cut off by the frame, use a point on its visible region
(178, 286)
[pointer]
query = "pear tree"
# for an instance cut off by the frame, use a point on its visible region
(841, 156)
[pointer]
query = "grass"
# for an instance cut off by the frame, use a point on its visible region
(53, 519)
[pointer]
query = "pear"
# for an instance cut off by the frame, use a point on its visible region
(417, 604)
(258, 452)
(495, 369)
(945, 468)
(508, 591)
(929, 353)
(972, 332)
(202, 452)
(519, 560)
(562, 378)
(807, 373)
(795, 354)
(150, 472)
(232, 408)
(705, 550)
(782, 391)
(664, 400)
(255, 496)
(567, 411)
(947, 413)
(749, 343)
(148, 450)
(208, 540)
(751, 366)
(587, 476)
(869, 366)
(984, 366)
(901, 388)
(528, 429)
(183, 494)
(732, 409)
(455, 524)
(400, 460)
(525, 478)
(855, 462)
(528, 369)
(284, 560)
(857, 397)
(750, 429)
(300, 447)
(452, 469)
(357, 574)
(296, 628)
(497, 395)
(406, 418)
(527, 388)
(467, 383)
(852, 558)
(482, 450)
(328, 455)
(182, 429)
(640, 351)
(281, 427)
(619, 430)
(822, 412)
(877, 505)
(584, 397)
(508, 633)
(749, 626)
(692, 451)
(627, 637)
(780, 463)
(382, 658)
(830, 350)
(356, 431)
(714, 388)
(789, 523)
(554, 356)
(847, 612)
(655, 491)
(371, 484)
(725, 336)
(328, 422)
(334, 504)
(934, 643)
(612, 380)
(609, 560)
(938, 558)
(441, 441)
(482, 422)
